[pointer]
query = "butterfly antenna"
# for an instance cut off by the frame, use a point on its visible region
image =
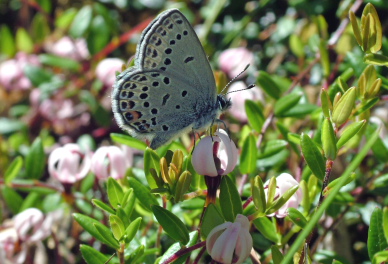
(249, 87)
(238, 75)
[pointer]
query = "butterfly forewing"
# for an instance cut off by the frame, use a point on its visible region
(171, 88)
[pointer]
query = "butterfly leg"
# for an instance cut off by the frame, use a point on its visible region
(226, 127)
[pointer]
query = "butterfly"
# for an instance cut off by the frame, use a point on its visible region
(170, 90)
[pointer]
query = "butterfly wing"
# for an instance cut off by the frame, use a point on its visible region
(171, 85)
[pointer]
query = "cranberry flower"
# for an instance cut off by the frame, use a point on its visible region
(283, 183)
(111, 161)
(233, 61)
(68, 164)
(106, 70)
(215, 155)
(230, 242)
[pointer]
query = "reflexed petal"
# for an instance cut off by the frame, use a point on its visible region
(202, 159)
(224, 247)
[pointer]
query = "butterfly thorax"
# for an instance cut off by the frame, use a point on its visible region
(206, 115)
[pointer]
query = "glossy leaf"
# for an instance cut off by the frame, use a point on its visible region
(380, 150)
(12, 199)
(376, 239)
(13, 169)
(97, 230)
(326, 103)
(103, 206)
(356, 28)
(35, 160)
(230, 200)
(376, 59)
(81, 22)
(24, 41)
(272, 147)
(297, 217)
(380, 257)
(60, 62)
(254, 114)
(142, 193)
(268, 85)
(211, 219)
(385, 222)
(286, 102)
(115, 192)
(117, 226)
(183, 185)
(313, 157)
(267, 229)
(325, 61)
(174, 248)
(248, 155)
(7, 43)
(129, 141)
(171, 224)
(277, 256)
(152, 162)
(132, 229)
(279, 202)
(93, 256)
(349, 132)
(258, 195)
(366, 106)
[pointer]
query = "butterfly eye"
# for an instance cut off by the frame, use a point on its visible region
(223, 103)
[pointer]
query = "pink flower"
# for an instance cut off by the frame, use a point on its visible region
(230, 242)
(69, 164)
(238, 98)
(106, 70)
(283, 183)
(111, 162)
(9, 246)
(11, 72)
(32, 226)
(66, 47)
(233, 61)
(210, 152)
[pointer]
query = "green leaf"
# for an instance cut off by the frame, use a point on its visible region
(7, 43)
(313, 157)
(326, 103)
(230, 200)
(97, 230)
(99, 35)
(376, 59)
(279, 202)
(356, 28)
(344, 107)
(142, 193)
(13, 169)
(349, 132)
(37, 75)
(328, 140)
(296, 45)
(258, 195)
(254, 114)
(24, 41)
(248, 155)
(132, 229)
(267, 229)
(272, 147)
(33, 199)
(325, 61)
(366, 106)
(12, 199)
(277, 256)
(297, 217)
(103, 206)
(183, 185)
(40, 28)
(380, 150)
(129, 141)
(129, 203)
(117, 226)
(286, 102)
(171, 224)
(376, 240)
(211, 218)
(93, 256)
(35, 160)
(380, 257)
(64, 19)
(385, 222)
(115, 192)
(152, 161)
(300, 110)
(135, 255)
(81, 22)
(268, 85)
(60, 62)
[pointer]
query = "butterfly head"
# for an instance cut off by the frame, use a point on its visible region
(223, 103)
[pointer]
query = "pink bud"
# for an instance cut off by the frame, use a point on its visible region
(111, 162)
(67, 47)
(204, 155)
(233, 61)
(31, 225)
(230, 242)
(106, 70)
